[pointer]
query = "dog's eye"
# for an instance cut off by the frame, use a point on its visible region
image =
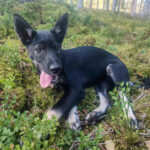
(37, 50)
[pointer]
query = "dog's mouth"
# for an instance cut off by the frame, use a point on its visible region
(47, 80)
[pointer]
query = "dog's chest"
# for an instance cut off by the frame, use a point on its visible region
(60, 83)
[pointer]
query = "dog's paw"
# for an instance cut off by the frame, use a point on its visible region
(51, 112)
(94, 116)
(75, 126)
(73, 121)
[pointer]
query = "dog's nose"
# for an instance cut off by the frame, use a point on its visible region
(55, 68)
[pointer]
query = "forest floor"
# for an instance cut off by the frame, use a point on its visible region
(23, 102)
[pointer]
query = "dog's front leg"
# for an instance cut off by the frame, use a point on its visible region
(70, 99)
(73, 119)
(55, 112)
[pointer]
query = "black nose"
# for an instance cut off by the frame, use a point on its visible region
(55, 68)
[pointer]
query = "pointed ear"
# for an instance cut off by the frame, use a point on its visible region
(23, 29)
(60, 28)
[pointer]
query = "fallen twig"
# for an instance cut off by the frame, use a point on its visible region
(84, 123)
(140, 96)
(144, 134)
(101, 146)
(76, 143)
(107, 142)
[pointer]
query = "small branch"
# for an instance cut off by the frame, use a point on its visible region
(84, 123)
(106, 142)
(144, 134)
(101, 146)
(140, 96)
(76, 143)
(109, 130)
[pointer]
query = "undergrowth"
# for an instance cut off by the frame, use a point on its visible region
(23, 102)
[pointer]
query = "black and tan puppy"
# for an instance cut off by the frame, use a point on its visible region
(79, 68)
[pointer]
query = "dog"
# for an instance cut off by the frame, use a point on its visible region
(74, 69)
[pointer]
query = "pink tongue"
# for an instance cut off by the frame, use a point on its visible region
(45, 79)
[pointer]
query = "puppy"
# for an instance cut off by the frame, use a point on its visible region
(74, 69)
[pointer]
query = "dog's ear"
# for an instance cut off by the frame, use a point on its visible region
(60, 28)
(24, 30)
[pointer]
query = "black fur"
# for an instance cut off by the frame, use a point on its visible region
(77, 68)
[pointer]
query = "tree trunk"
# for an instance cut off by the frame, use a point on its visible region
(140, 6)
(146, 9)
(127, 5)
(118, 5)
(80, 4)
(71, 2)
(114, 5)
(122, 4)
(97, 4)
(86, 3)
(107, 4)
(91, 2)
(103, 4)
(133, 7)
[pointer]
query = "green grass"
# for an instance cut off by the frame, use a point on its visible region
(124, 36)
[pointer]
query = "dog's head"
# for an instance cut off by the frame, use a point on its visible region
(44, 47)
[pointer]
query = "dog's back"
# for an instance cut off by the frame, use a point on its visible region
(87, 64)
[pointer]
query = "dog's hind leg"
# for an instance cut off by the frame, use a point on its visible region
(119, 73)
(127, 109)
(99, 112)
(73, 119)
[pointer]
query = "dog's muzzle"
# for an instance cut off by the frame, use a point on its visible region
(55, 69)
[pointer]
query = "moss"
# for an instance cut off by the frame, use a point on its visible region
(120, 34)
